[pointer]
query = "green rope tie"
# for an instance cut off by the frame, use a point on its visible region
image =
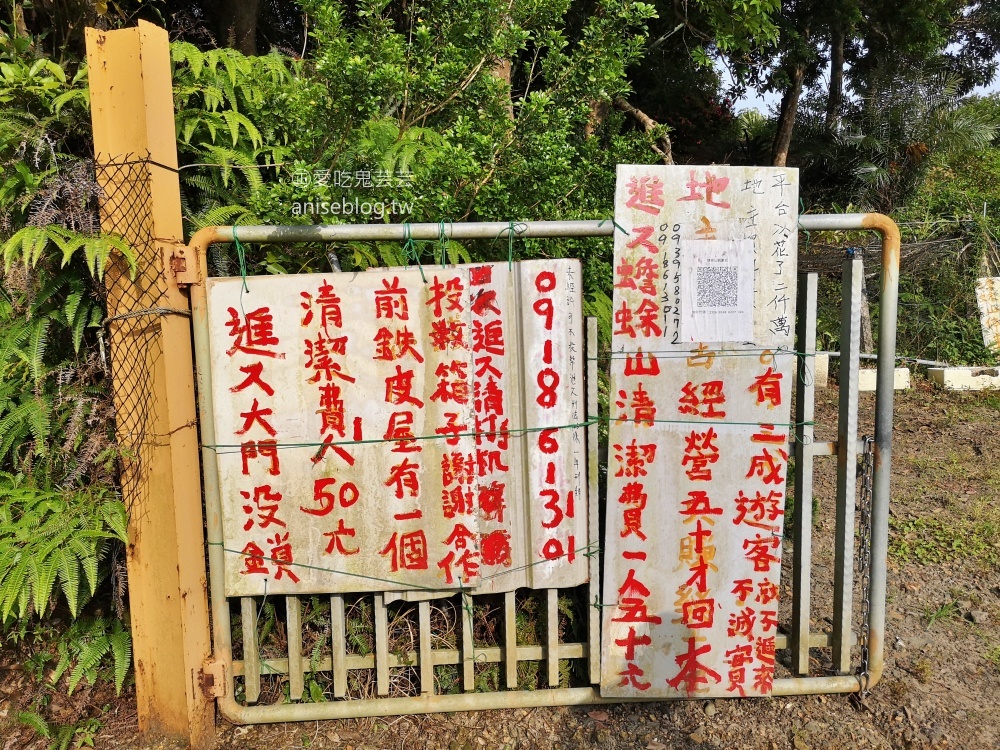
(617, 226)
(394, 581)
(443, 243)
(410, 252)
(227, 448)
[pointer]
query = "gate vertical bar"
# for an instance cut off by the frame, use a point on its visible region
(847, 463)
(552, 636)
(251, 651)
(296, 667)
(153, 380)
(510, 637)
(468, 645)
(593, 502)
(381, 646)
(805, 410)
(338, 645)
(425, 655)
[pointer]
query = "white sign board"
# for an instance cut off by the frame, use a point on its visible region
(988, 296)
(381, 432)
(701, 381)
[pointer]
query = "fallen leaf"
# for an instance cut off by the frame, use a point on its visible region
(598, 715)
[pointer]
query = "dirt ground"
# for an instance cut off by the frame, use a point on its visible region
(941, 686)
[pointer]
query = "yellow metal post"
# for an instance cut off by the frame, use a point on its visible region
(135, 149)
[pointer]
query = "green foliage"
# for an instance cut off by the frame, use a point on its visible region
(927, 541)
(62, 736)
(415, 93)
(947, 611)
(901, 122)
(48, 394)
(93, 646)
(60, 518)
(53, 540)
(28, 244)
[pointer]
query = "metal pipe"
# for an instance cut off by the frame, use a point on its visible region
(221, 626)
(347, 709)
(883, 436)
(914, 360)
(835, 222)
(847, 464)
(805, 407)
(473, 230)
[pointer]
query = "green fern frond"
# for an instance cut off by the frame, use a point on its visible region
(35, 722)
(37, 344)
(69, 579)
(25, 245)
(87, 554)
(221, 215)
(14, 583)
(121, 650)
(235, 120)
(46, 569)
(93, 648)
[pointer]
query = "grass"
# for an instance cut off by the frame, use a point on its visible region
(974, 534)
(947, 611)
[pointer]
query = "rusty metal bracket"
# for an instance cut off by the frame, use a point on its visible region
(177, 263)
(212, 678)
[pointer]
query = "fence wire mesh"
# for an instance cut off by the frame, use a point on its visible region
(134, 307)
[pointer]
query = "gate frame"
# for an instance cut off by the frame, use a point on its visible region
(190, 267)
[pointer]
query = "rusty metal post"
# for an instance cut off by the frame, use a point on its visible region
(150, 336)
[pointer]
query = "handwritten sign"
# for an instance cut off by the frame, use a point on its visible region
(383, 432)
(551, 294)
(701, 381)
(988, 297)
(528, 380)
(345, 402)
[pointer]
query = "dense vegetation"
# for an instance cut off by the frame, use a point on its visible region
(457, 109)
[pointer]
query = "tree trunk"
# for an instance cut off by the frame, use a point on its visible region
(502, 71)
(236, 24)
(867, 339)
(599, 109)
(20, 29)
(835, 99)
(786, 120)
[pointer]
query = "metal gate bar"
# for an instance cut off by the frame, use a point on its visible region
(805, 411)
(190, 266)
(847, 461)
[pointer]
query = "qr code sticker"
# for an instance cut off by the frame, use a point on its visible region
(716, 286)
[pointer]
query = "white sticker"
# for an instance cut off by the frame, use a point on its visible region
(717, 278)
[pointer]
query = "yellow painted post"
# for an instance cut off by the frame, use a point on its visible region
(153, 375)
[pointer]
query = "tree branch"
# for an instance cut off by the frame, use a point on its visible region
(662, 145)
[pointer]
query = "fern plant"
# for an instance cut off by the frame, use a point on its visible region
(28, 244)
(50, 541)
(88, 646)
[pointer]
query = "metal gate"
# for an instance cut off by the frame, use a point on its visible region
(374, 674)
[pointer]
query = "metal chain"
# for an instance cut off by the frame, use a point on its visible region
(865, 554)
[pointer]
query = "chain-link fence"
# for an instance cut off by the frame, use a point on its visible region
(134, 303)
